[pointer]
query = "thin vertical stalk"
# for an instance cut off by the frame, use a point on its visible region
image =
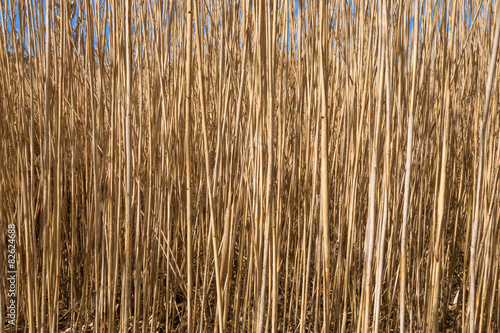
(409, 157)
(479, 191)
(187, 155)
(127, 276)
(46, 164)
(322, 53)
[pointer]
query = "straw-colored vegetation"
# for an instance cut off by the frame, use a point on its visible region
(251, 166)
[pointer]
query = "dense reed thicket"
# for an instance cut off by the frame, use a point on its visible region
(251, 166)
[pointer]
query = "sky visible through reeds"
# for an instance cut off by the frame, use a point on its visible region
(332, 20)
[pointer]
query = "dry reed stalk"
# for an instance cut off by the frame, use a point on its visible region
(478, 199)
(127, 270)
(187, 146)
(324, 169)
(408, 168)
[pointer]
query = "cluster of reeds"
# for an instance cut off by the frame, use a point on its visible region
(241, 166)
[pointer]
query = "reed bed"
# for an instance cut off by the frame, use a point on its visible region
(251, 166)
